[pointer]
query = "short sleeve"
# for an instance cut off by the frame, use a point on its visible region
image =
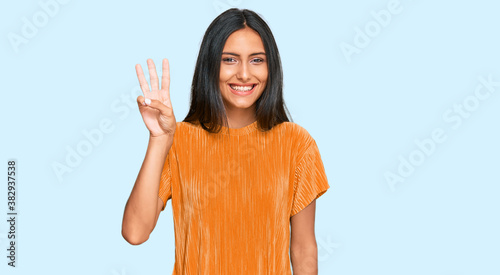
(165, 190)
(310, 180)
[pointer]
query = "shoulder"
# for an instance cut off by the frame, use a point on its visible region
(297, 133)
(298, 138)
(183, 127)
(183, 124)
(183, 130)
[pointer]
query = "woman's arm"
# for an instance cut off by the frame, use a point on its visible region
(303, 247)
(144, 206)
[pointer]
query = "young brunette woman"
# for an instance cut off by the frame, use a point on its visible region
(242, 178)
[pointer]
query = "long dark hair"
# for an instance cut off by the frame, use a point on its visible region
(207, 107)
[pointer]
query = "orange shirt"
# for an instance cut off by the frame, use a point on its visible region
(233, 194)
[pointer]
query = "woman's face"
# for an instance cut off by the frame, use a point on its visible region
(243, 71)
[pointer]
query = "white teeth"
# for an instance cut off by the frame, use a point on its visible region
(242, 88)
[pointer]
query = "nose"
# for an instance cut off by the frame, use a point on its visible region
(243, 73)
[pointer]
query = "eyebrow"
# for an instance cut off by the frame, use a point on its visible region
(239, 55)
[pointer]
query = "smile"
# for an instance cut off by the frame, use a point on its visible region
(242, 89)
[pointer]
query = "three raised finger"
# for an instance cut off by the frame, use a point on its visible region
(165, 80)
(142, 80)
(153, 76)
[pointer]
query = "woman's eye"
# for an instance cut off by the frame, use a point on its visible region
(230, 59)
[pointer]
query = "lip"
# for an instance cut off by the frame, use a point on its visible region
(241, 92)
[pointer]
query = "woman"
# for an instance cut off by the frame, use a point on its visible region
(238, 172)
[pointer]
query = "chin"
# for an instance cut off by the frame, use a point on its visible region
(242, 105)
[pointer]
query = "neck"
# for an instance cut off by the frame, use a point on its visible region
(240, 118)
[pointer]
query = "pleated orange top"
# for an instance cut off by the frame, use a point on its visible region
(233, 194)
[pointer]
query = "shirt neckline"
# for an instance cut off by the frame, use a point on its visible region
(239, 131)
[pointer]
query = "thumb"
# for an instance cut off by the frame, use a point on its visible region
(156, 104)
(140, 100)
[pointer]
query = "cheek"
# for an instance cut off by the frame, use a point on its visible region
(225, 73)
(262, 74)
(223, 78)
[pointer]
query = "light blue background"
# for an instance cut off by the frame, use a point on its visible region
(364, 114)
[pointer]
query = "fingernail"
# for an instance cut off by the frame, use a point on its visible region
(148, 101)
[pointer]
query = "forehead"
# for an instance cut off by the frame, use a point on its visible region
(244, 40)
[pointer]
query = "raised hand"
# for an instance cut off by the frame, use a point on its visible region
(155, 106)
